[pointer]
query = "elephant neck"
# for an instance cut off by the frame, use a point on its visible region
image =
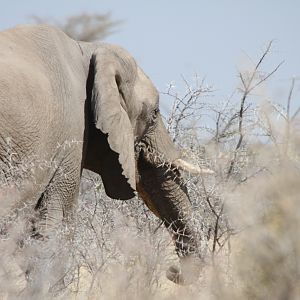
(87, 49)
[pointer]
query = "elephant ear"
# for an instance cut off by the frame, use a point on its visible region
(110, 117)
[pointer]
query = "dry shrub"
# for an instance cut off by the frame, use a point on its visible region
(267, 252)
(246, 216)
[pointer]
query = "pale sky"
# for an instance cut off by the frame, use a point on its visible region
(211, 38)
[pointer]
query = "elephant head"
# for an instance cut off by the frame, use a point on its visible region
(138, 154)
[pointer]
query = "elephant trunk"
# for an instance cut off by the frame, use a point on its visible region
(164, 193)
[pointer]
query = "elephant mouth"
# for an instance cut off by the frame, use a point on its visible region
(161, 160)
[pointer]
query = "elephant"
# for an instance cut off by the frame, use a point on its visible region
(68, 105)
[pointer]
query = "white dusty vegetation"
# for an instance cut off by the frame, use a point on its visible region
(247, 213)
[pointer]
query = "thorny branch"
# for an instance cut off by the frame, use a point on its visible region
(185, 108)
(229, 123)
(248, 86)
(97, 221)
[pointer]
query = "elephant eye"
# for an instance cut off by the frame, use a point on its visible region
(155, 113)
(152, 117)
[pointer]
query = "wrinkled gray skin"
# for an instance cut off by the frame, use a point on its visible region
(68, 105)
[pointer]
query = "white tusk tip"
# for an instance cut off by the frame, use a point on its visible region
(190, 168)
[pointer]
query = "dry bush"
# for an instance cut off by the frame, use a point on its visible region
(84, 27)
(246, 215)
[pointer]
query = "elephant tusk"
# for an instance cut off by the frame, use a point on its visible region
(188, 167)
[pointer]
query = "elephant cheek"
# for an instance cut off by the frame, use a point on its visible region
(147, 199)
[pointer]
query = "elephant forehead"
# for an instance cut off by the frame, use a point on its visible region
(145, 90)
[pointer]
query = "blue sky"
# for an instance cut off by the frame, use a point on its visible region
(211, 38)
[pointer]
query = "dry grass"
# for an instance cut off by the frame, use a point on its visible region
(247, 215)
